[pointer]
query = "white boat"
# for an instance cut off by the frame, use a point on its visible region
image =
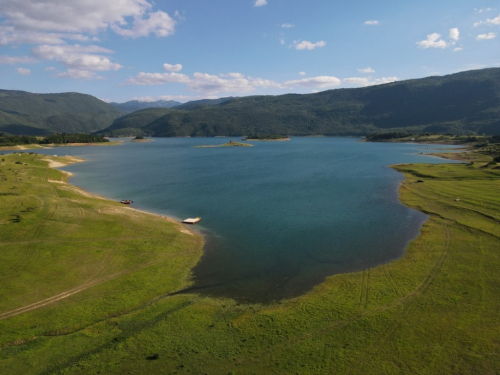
(191, 220)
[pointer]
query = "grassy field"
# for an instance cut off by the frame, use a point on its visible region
(434, 311)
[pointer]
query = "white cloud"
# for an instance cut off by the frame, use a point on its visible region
(318, 82)
(302, 73)
(158, 23)
(372, 22)
(368, 81)
(157, 78)
(210, 85)
(4, 59)
(9, 36)
(50, 69)
(486, 36)
(282, 41)
(77, 57)
(493, 21)
(233, 82)
(172, 68)
(357, 80)
(233, 75)
(300, 45)
(433, 41)
(23, 71)
(287, 25)
(454, 34)
(179, 16)
(79, 74)
(457, 49)
(53, 21)
(366, 70)
(380, 81)
(259, 3)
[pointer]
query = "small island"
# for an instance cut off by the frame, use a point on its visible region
(267, 137)
(231, 143)
(140, 138)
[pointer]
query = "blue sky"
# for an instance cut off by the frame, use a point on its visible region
(120, 50)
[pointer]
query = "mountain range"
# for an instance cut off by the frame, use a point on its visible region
(136, 105)
(465, 102)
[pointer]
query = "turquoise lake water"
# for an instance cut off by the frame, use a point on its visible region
(278, 217)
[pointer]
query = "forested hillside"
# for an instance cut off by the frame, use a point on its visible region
(466, 102)
(38, 114)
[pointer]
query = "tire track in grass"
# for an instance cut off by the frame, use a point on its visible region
(32, 250)
(94, 281)
(408, 308)
(390, 278)
(364, 290)
(70, 292)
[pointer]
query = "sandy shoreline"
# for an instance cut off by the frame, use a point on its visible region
(67, 160)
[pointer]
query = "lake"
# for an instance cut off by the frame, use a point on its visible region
(278, 217)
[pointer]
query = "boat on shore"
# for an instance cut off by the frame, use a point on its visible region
(191, 220)
(126, 201)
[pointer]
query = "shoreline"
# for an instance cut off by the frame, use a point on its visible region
(266, 140)
(68, 160)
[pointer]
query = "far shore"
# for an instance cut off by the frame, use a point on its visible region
(266, 140)
(49, 146)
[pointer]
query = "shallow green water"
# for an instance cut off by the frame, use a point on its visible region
(279, 217)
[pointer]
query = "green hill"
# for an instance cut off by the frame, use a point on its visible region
(133, 123)
(466, 102)
(37, 114)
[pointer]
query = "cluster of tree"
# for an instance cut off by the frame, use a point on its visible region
(14, 140)
(266, 136)
(478, 140)
(63, 138)
(387, 136)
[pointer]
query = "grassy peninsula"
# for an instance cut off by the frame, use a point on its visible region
(434, 311)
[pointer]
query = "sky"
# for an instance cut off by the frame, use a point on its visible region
(121, 50)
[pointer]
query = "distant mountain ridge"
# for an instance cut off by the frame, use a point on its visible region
(197, 104)
(136, 105)
(466, 102)
(28, 113)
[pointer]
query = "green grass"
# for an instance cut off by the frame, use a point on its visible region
(434, 311)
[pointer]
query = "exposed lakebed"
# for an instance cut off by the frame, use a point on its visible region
(278, 217)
